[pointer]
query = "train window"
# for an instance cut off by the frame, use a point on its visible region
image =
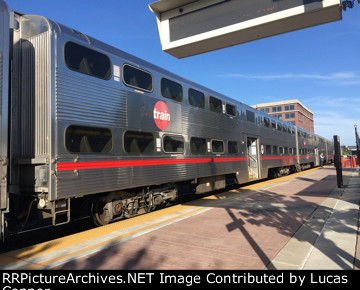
(273, 124)
(215, 105)
(139, 142)
(268, 149)
(173, 144)
(217, 146)
(266, 122)
(87, 61)
(171, 90)
(197, 145)
(137, 78)
(233, 147)
(230, 110)
(82, 139)
(250, 116)
(275, 150)
(196, 98)
(281, 150)
(279, 126)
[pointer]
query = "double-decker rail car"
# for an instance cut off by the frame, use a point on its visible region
(89, 129)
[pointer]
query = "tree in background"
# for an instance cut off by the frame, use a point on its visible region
(345, 150)
(348, 4)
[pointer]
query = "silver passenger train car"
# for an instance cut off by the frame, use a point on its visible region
(89, 129)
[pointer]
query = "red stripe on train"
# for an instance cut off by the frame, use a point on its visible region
(129, 163)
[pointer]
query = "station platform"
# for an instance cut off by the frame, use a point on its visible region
(301, 221)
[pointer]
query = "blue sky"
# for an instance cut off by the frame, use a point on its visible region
(320, 65)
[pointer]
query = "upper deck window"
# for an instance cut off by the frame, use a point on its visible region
(171, 90)
(215, 105)
(273, 124)
(230, 110)
(87, 61)
(250, 116)
(137, 78)
(266, 122)
(196, 98)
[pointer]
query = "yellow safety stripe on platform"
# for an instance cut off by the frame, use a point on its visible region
(64, 242)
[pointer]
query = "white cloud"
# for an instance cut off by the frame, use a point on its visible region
(339, 123)
(350, 77)
(332, 115)
(346, 102)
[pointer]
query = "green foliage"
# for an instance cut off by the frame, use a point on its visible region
(348, 4)
(345, 150)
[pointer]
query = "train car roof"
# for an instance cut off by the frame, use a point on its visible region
(88, 40)
(97, 44)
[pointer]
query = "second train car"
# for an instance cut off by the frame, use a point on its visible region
(89, 129)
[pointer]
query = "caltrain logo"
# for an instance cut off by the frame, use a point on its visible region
(161, 115)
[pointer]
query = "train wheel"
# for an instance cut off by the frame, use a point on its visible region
(110, 207)
(100, 213)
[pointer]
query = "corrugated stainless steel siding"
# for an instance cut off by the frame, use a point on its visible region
(35, 96)
(199, 122)
(1, 79)
(93, 102)
(89, 181)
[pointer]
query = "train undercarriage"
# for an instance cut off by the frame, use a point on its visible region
(34, 211)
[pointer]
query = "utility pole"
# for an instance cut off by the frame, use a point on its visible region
(337, 161)
(357, 146)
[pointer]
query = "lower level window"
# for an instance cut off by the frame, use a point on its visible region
(139, 142)
(233, 147)
(84, 139)
(173, 144)
(197, 145)
(217, 146)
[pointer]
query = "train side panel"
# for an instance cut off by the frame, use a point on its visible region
(95, 128)
(4, 94)
(4, 100)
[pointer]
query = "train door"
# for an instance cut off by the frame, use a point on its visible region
(253, 158)
(4, 96)
(317, 157)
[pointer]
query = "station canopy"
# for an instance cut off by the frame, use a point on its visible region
(189, 27)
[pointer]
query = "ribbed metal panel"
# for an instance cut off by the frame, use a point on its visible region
(198, 122)
(79, 100)
(103, 180)
(35, 96)
(1, 79)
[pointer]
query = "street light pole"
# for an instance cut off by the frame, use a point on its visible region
(357, 145)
